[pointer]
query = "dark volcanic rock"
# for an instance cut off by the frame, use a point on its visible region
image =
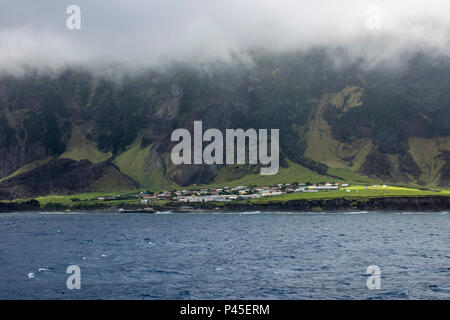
(445, 170)
(39, 113)
(376, 165)
(425, 203)
(60, 176)
(31, 205)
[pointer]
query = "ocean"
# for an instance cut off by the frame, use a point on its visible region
(252, 255)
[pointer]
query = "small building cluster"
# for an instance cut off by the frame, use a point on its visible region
(235, 193)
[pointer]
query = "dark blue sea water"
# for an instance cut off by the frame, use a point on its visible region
(225, 256)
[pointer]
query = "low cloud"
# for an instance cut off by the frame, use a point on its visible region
(140, 34)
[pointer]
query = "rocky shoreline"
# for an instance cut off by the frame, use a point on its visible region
(424, 203)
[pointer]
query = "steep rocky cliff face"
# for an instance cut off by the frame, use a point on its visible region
(389, 124)
(428, 203)
(65, 176)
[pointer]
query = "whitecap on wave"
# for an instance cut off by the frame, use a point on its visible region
(414, 213)
(350, 212)
(60, 213)
(250, 212)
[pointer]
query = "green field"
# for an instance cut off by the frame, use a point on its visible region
(355, 192)
(85, 199)
(293, 173)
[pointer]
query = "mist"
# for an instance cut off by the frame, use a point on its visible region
(138, 34)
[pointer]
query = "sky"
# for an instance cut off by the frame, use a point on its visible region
(149, 33)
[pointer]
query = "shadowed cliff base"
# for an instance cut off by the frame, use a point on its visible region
(65, 176)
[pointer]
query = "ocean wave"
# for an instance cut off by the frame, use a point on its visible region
(250, 212)
(416, 213)
(59, 213)
(348, 212)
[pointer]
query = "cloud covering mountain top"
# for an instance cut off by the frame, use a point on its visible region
(138, 33)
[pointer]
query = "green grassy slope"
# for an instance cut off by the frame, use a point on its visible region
(356, 191)
(350, 176)
(113, 181)
(143, 166)
(79, 148)
(293, 173)
(28, 167)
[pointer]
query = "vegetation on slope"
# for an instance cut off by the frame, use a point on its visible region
(79, 148)
(144, 166)
(348, 123)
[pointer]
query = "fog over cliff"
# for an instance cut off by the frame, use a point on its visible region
(138, 34)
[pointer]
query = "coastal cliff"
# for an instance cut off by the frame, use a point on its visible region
(348, 124)
(424, 203)
(432, 203)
